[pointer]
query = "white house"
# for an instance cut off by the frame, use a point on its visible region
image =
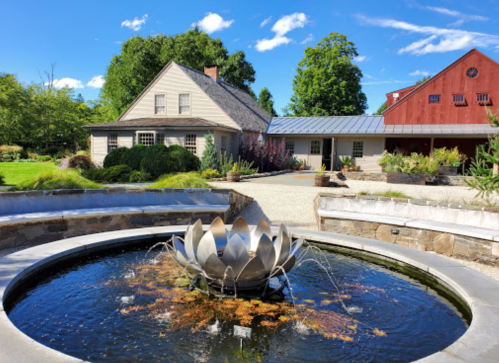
(180, 106)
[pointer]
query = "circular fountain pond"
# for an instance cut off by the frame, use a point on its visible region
(129, 305)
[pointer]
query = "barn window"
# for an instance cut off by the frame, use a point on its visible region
(190, 143)
(112, 142)
(146, 139)
(458, 99)
(315, 147)
(358, 149)
(160, 139)
(159, 105)
(290, 146)
(223, 144)
(184, 104)
(434, 98)
(483, 98)
(472, 72)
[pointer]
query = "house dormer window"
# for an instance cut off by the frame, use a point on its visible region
(159, 104)
(184, 104)
(434, 98)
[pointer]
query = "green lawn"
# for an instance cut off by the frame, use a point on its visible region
(16, 173)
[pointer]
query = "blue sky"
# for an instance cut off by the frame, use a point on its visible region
(398, 42)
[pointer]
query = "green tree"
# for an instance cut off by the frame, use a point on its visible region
(381, 109)
(210, 159)
(423, 80)
(141, 59)
(13, 106)
(265, 99)
(327, 83)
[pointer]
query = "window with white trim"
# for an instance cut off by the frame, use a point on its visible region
(146, 139)
(112, 142)
(290, 146)
(184, 104)
(159, 104)
(315, 147)
(434, 99)
(223, 144)
(160, 139)
(358, 149)
(190, 143)
(482, 98)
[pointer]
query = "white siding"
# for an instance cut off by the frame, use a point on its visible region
(99, 147)
(232, 142)
(174, 82)
(372, 148)
(302, 152)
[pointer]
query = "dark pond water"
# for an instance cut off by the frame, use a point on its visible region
(76, 310)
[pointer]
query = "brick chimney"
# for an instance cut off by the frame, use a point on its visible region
(212, 71)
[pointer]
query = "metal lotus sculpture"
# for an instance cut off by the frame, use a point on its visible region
(236, 259)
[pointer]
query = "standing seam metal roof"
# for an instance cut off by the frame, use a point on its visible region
(366, 125)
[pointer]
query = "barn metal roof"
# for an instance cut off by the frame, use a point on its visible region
(366, 125)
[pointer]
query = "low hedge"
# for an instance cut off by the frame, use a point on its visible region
(115, 174)
(155, 160)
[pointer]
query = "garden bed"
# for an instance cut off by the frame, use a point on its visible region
(405, 178)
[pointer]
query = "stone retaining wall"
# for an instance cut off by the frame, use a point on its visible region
(257, 175)
(381, 177)
(30, 233)
(464, 247)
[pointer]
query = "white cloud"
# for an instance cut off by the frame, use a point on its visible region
(369, 76)
(213, 23)
(419, 73)
(289, 22)
(361, 58)
(118, 42)
(136, 23)
(265, 22)
(440, 40)
(96, 82)
(462, 18)
(269, 44)
(307, 39)
(66, 82)
(281, 27)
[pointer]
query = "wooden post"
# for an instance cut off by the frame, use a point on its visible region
(431, 144)
(333, 153)
(495, 169)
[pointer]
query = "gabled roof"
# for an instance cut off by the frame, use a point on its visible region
(367, 125)
(437, 76)
(161, 122)
(236, 103)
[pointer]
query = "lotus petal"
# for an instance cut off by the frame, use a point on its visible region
(214, 268)
(254, 270)
(217, 228)
(287, 266)
(235, 254)
(262, 228)
(241, 228)
(266, 253)
(297, 245)
(192, 238)
(180, 255)
(206, 247)
(282, 246)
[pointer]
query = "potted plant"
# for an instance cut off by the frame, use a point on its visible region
(411, 169)
(233, 175)
(448, 160)
(302, 164)
(346, 161)
(321, 179)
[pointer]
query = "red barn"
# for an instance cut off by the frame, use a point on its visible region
(455, 97)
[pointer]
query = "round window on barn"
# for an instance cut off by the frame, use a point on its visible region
(472, 72)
